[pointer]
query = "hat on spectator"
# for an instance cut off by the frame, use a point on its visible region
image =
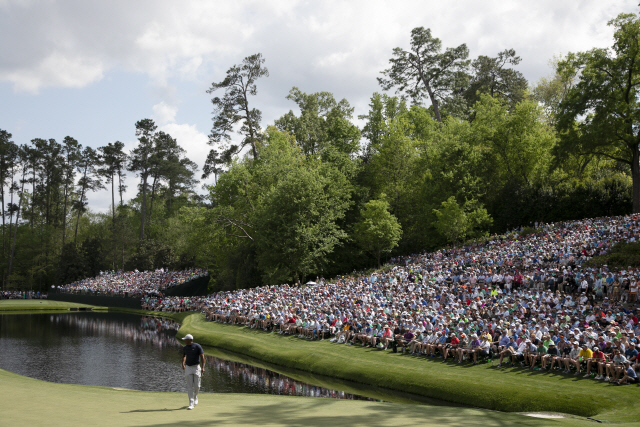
(188, 337)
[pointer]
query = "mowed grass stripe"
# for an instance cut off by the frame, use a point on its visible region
(33, 304)
(31, 402)
(513, 390)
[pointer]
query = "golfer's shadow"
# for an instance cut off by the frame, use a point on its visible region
(155, 410)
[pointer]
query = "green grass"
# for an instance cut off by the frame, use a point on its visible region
(35, 304)
(622, 255)
(29, 402)
(372, 372)
(511, 389)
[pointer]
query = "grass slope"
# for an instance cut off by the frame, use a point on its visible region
(511, 389)
(33, 403)
(622, 255)
(34, 304)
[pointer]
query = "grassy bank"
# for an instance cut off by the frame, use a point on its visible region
(374, 371)
(622, 255)
(511, 389)
(35, 304)
(32, 402)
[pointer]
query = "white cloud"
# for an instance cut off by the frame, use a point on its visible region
(57, 70)
(179, 48)
(192, 140)
(164, 113)
(75, 43)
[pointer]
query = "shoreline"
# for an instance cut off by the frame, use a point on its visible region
(33, 402)
(482, 386)
(510, 390)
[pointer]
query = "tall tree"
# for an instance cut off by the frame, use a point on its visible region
(169, 167)
(33, 157)
(71, 154)
(494, 76)
(180, 174)
(159, 159)
(213, 165)
(551, 90)
(89, 181)
(378, 231)
(139, 161)
(602, 109)
(233, 107)
(382, 109)
(51, 163)
(426, 70)
(113, 163)
(320, 117)
(24, 160)
(8, 158)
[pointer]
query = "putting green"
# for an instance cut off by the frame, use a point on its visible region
(27, 401)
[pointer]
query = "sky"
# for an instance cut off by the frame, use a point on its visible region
(92, 69)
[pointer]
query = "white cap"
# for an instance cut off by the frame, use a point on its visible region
(188, 337)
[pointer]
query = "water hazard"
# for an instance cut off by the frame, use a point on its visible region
(127, 351)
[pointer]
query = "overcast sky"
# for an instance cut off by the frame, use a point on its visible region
(91, 69)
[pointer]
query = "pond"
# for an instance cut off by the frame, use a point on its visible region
(133, 352)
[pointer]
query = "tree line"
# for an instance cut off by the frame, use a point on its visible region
(455, 149)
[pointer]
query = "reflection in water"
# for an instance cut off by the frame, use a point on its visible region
(270, 382)
(122, 350)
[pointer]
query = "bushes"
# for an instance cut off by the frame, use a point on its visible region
(622, 255)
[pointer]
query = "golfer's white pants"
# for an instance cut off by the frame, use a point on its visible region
(192, 375)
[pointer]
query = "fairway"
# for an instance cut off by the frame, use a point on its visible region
(36, 304)
(31, 402)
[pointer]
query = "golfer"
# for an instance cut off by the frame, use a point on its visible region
(193, 367)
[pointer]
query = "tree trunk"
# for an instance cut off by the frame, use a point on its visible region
(120, 186)
(33, 196)
(113, 219)
(4, 225)
(635, 177)
(113, 201)
(153, 196)
(434, 102)
(251, 130)
(5, 278)
(15, 229)
(144, 206)
(80, 206)
(64, 213)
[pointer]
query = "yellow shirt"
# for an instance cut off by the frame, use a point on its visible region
(587, 354)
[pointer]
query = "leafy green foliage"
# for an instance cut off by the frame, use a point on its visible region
(306, 197)
(494, 77)
(378, 231)
(425, 70)
(622, 255)
(233, 108)
(457, 223)
(600, 114)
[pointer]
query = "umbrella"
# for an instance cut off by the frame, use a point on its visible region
(310, 283)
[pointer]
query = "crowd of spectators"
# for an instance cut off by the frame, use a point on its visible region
(136, 283)
(21, 295)
(526, 300)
